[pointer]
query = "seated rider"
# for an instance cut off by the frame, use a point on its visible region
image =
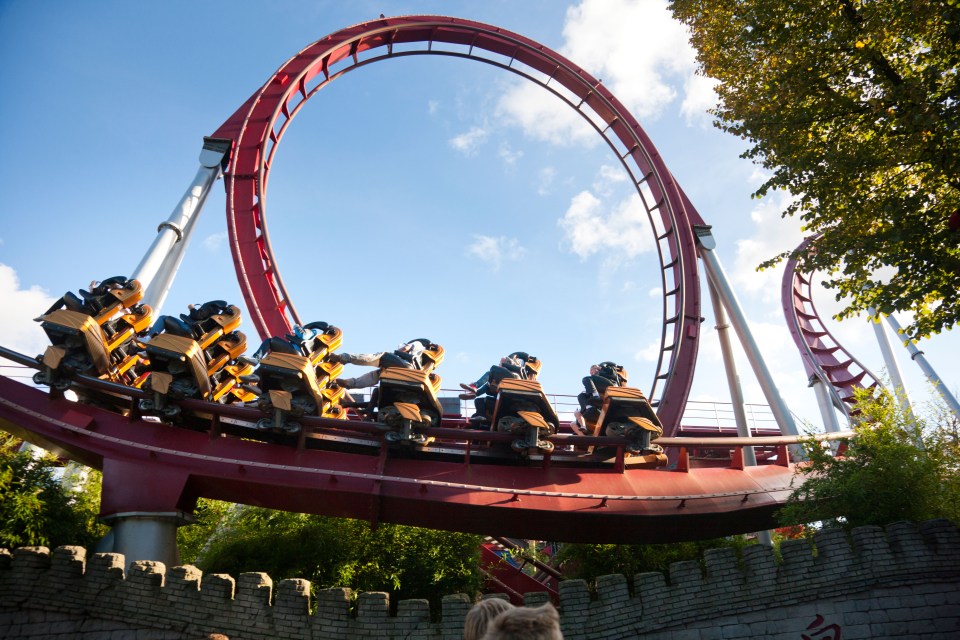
(90, 302)
(603, 375)
(301, 342)
(189, 325)
(513, 362)
(408, 355)
(516, 365)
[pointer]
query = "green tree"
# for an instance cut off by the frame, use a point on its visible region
(193, 540)
(36, 508)
(853, 107)
(897, 467)
(407, 562)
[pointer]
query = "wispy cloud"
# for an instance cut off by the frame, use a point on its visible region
(607, 177)
(495, 251)
(588, 229)
(468, 143)
(508, 154)
(214, 241)
(542, 116)
(545, 176)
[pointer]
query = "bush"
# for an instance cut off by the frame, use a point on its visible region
(407, 562)
(897, 467)
(37, 508)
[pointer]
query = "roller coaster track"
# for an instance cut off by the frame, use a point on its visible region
(461, 480)
(257, 127)
(823, 357)
(348, 469)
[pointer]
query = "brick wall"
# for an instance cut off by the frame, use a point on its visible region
(901, 582)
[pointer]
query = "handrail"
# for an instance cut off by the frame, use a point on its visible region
(451, 429)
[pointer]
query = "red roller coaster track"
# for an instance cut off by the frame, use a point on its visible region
(823, 357)
(257, 127)
(348, 468)
(156, 468)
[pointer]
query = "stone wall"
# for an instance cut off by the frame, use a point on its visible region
(902, 582)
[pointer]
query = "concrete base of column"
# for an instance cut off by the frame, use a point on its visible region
(141, 535)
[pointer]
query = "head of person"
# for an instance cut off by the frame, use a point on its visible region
(526, 623)
(594, 369)
(480, 616)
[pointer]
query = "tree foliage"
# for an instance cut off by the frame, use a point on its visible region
(898, 467)
(36, 508)
(193, 540)
(853, 107)
(407, 562)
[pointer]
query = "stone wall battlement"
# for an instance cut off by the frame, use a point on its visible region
(45, 594)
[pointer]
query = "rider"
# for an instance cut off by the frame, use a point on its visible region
(300, 342)
(603, 375)
(188, 325)
(408, 355)
(92, 301)
(513, 362)
(517, 365)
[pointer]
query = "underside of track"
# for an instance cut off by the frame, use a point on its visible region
(156, 467)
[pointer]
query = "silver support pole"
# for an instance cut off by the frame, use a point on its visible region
(917, 356)
(736, 391)
(157, 293)
(719, 280)
(893, 367)
(825, 403)
(733, 378)
(140, 535)
(156, 270)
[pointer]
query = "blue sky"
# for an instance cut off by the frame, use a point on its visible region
(417, 197)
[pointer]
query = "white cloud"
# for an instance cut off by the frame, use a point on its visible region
(509, 155)
(543, 117)
(433, 106)
(546, 177)
(214, 241)
(636, 49)
(18, 331)
(649, 353)
(467, 143)
(771, 235)
(699, 96)
(758, 176)
(588, 229)
(496, 251)
(607, 176)
(635, 46)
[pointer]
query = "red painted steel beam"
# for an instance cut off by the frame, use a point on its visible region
(166, 468)
(818, 348)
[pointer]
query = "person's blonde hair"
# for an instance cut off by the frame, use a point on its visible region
(480, 616)
(525, 623)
